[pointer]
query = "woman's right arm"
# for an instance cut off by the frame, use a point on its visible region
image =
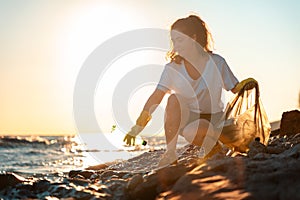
(154, 100)
(151, 104)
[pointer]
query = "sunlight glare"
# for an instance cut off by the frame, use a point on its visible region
(87, 27)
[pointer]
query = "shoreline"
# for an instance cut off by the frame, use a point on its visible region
(274, 126)
(262, 174)
(265, 172)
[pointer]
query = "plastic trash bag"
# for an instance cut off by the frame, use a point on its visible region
(244, 121)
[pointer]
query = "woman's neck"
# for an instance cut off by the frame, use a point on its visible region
(198, 60)
(196, 68)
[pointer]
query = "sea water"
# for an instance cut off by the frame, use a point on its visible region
(46, 155)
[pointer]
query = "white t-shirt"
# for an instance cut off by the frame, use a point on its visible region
(202, 95)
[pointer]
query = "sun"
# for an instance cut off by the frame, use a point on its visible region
(85, 27)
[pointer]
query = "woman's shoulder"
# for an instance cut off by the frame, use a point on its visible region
(217, 58)
(173, 64)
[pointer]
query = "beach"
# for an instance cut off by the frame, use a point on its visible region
(51, 158)
(57, 168)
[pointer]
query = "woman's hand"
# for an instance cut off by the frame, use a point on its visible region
(141, 122)
(247, 84)
(129, 138)
(144, 117)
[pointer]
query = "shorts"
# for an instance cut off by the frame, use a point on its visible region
(214, 119)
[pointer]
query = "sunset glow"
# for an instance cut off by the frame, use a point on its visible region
(45, 43)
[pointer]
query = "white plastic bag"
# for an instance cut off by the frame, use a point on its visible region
(244, 121)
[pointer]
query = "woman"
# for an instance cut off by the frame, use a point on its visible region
(194, 79)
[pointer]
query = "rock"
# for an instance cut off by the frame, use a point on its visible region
(26, 193)
(100, 188)
(135, 181)
(10, 179)
(216, 180)
(169, 175)
(106, 174)
(268, 172)
(293, 152)
(97, 167)
(41, 185)
(147, 189)
(157, 182)
(120, 174)
(274, 149)
(73, 173)
(290, 123)
(256, 147)
(115, 184)
(79, 181)
(85, 174)
(261, 156)
(61, 191)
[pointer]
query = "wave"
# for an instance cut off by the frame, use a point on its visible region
(17, 141)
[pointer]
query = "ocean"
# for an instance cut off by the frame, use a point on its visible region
(52, 156)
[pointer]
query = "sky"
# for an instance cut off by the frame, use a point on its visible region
(45, 43)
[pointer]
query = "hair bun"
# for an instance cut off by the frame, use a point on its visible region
(195, 19)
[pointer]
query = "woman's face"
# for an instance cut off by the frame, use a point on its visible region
(183, 44)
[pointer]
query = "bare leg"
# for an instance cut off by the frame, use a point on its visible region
(175, 118)
(201, 133)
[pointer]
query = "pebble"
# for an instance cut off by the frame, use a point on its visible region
(266, 172)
